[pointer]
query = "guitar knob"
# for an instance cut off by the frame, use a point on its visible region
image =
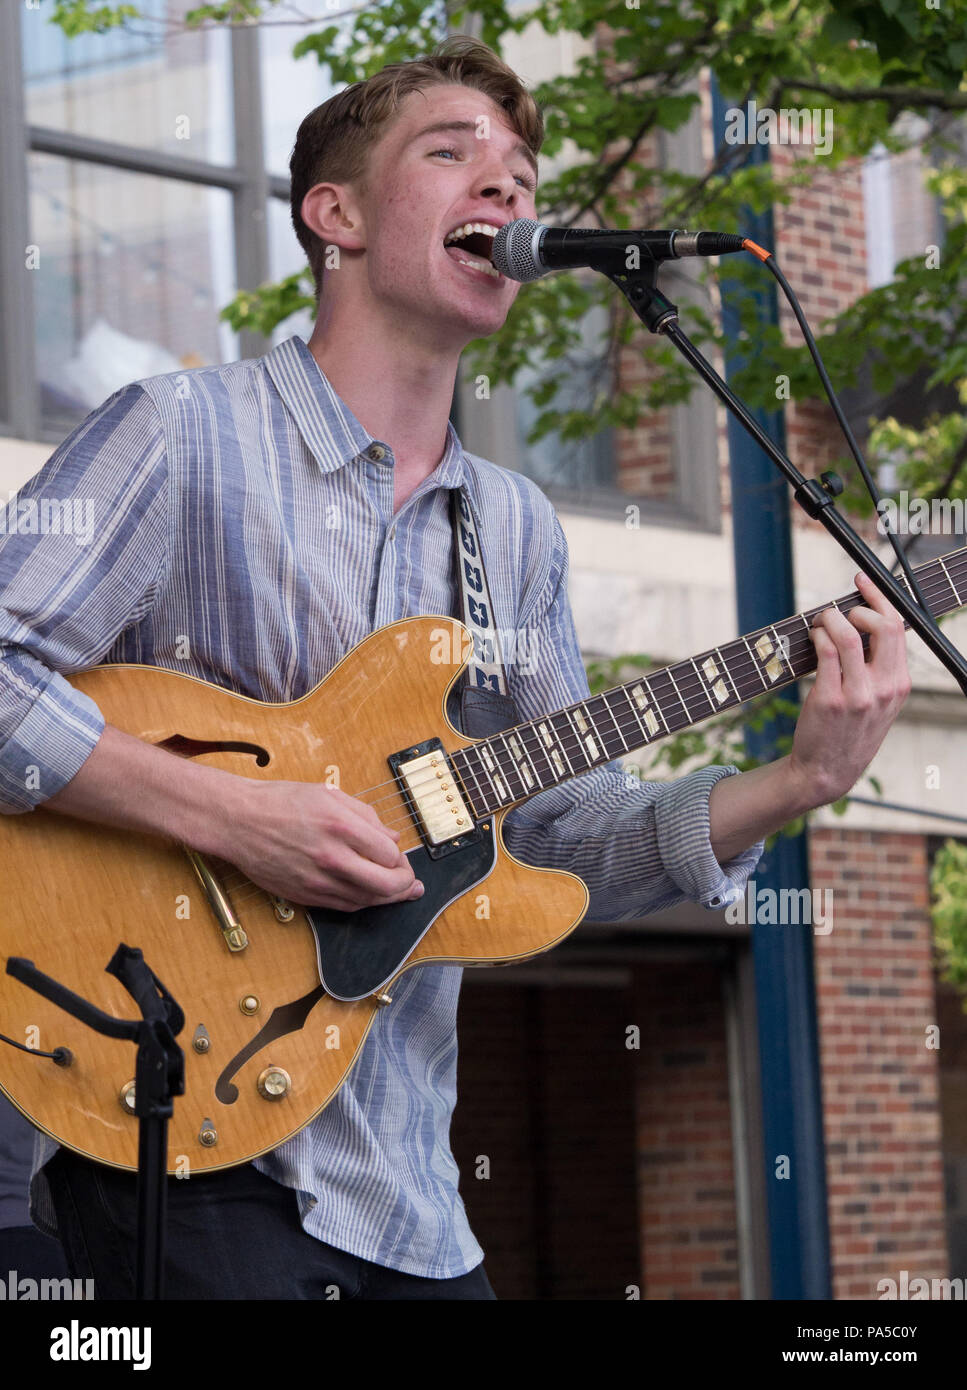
(126, 1097)
(274, 1083)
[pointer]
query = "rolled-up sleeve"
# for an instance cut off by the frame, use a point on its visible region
(639, 846)
(83, 554)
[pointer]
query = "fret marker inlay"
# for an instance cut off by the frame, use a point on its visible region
(771, 662)
(719, 689)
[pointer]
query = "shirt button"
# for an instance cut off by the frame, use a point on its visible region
(391, 533)
(376, 451)
(313, 1201)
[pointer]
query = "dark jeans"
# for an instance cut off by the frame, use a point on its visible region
(234, 1234)
(32, 1254)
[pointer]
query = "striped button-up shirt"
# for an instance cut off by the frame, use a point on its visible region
(236, 523)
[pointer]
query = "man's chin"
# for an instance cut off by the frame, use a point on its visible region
(483, 320)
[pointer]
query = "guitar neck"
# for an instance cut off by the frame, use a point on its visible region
(513, 766)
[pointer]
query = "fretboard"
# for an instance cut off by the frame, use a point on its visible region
(511, 767)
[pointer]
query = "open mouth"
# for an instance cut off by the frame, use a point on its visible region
(472, 245)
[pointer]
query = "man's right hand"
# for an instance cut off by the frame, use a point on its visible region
(312, 844)
(307, 842)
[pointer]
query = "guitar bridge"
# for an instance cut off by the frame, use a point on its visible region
(435, 796)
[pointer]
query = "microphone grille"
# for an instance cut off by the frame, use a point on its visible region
(514, 252)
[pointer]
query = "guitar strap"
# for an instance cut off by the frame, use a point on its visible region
(485, 704)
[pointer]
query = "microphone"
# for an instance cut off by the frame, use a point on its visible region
(525, 250)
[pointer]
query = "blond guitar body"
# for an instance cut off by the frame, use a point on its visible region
(73, 891)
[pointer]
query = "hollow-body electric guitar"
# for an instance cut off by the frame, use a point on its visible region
(278, 998)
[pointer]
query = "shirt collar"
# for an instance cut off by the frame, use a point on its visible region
(330, 429)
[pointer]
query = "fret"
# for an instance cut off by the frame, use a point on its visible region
(560, 738)
(542, 749)
(631, 705)
(770, 654)
(657, 704)
(604, 700)
(725, 668)
(510, 766)
(519, 762)
(909, 588)
(962, 577)
(505, 765)
(605, 739)
(578, 735)
(465, 766)
(704, 688)
(681, 701)
(950, 581)
(643, 704)
(755, 666)
(492, 772)
(558, 755)
(518, 748)
(784, 649)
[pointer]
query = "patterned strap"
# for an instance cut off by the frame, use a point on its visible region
(486, 667)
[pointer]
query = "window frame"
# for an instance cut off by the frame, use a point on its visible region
(247, 181)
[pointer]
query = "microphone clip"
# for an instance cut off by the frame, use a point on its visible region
(640, 288)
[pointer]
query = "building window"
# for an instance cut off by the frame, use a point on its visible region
(133, 271)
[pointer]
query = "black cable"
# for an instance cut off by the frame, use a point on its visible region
(771, 264)
(62, 1056)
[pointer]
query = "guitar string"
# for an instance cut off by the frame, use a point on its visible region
(690, 687)
(802, 645)
(570, 742)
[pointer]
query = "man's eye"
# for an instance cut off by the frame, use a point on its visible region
(526, 182)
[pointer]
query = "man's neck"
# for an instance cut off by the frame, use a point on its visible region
(400, 390)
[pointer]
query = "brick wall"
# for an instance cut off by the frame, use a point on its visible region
(881, 1084)
(546, 1093)
(821, 246)
(609, 1167)
(685, 1150)
(644, 459)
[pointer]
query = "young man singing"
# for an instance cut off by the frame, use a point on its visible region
(216, 554)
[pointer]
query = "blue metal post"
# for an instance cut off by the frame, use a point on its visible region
(785, 991)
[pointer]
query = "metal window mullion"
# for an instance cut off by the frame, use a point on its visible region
(250, 202)
(20, 394)
(65, 144)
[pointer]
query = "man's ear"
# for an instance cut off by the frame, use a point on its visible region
(333, 213)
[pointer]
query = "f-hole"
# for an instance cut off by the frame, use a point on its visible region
(195, 747)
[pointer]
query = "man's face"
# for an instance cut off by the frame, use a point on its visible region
(421, 186)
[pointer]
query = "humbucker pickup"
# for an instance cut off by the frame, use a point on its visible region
(435, 796)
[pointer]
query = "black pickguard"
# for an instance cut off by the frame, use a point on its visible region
(358, 952)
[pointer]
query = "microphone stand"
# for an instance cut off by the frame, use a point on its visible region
(159, 1076)
(815, 496)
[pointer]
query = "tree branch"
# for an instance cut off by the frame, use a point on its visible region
(907, 96)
